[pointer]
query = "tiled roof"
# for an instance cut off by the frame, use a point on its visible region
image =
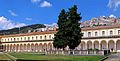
(53, 32)
(32, 33)
(100, 27)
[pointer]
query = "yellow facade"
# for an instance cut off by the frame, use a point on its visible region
(100, 37)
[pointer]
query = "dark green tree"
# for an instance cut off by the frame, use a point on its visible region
(74, 34)
(60, 40)
(69, 31)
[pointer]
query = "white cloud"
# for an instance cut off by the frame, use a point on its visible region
(51, 25)
(29, 19)
(12, 13)
(8, 24)
(114, 4)
(35, 1)
(112, 16)
(45, 4)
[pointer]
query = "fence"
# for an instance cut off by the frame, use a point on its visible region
(79, 52)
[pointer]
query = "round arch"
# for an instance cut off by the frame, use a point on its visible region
(21, 47)
(10, 47)
(96, 44)
(32, 47)
(14, 47)
(103, 45)
(82, 45)
(118, 45)
(49, 46)
(36, 47)
(28, 47)
(89, 44)
(17, 47)
(25, 47)
(45, 47)
(111, 45)
(41, 47)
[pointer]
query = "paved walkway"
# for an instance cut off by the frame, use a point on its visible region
(114, 57)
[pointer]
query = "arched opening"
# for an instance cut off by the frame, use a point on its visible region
(49, 46)
(14, 48)
(17, 47)
(40, 47)
(25, 47)
(32, 47)
(111, 45)
(36, 47)
(10, 47)
(82, 45)
(45, 47)
(21, 47)
(1, 47)
(103, 45)
(89, 45)
(118, 45)
(96, 45)
(28, 47)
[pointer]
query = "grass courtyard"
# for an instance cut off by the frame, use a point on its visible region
(38, 56)
(3, 57)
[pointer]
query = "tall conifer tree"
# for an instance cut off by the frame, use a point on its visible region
(74, 34)
(69, 31)
(60, 40)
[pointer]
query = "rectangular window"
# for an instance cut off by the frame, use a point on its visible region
(96, 34)
(89, 34)
(118, 32)
(28, 38)
(103, 33)
(40, 37)
(36, 37)
(18, 39)
(24, 38)
(50, 37)
(111, 32)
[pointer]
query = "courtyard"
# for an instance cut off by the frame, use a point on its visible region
(41, 56)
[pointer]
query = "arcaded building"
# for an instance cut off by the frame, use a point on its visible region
(99, 37)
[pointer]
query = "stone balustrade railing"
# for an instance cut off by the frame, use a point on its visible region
(79, 52)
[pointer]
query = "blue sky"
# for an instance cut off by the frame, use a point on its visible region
(15, 13)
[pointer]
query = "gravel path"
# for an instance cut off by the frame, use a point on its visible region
(114, 57)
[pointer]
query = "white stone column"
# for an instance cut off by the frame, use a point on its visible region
(99, 45)
(93, 45)
(107, 44)
(86, 46)
(115, 46)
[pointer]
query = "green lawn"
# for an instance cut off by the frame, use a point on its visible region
(3, 57)
(37, 56)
